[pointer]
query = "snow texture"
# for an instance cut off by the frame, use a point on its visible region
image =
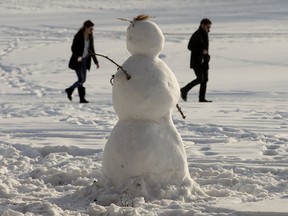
(51, 149)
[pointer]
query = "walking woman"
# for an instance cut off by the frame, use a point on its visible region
(80, 61)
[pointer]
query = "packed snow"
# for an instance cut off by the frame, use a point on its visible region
(51, 149)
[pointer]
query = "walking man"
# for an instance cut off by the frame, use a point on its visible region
(199, 47)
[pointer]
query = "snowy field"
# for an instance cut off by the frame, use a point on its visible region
(51, 149)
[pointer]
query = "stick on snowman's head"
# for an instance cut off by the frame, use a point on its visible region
(144, 37)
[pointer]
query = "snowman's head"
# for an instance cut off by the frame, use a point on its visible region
(144, 37)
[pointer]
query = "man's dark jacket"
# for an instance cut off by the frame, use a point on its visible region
(77, 51)
(198, 42)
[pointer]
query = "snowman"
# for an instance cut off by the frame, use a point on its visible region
(144, 154)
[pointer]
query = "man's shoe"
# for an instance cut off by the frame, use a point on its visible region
(205, 101)
(183, 94)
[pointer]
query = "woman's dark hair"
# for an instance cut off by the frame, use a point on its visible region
(88, 24)
(205, 21)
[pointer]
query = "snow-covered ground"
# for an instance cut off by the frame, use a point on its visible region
(51, 149)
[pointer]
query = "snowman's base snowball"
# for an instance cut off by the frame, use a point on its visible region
(147, 159)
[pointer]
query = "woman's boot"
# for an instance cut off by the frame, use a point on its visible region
(82, 92)
(69, 92)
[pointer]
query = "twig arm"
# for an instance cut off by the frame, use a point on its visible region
(128, 77)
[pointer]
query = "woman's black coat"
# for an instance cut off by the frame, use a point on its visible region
(77, 51)
(197, 44)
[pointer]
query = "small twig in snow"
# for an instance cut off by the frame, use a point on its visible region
(179, 109)
(126, 199)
